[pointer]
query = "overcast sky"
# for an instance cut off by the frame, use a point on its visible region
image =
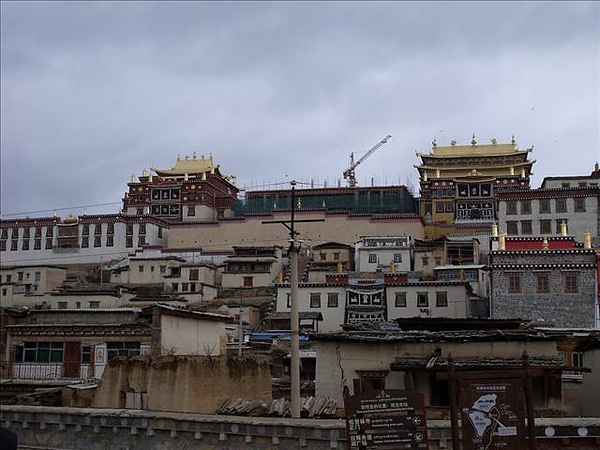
(93, 92)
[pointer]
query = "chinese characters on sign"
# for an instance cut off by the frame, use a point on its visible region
(492, 414)
(386, 420)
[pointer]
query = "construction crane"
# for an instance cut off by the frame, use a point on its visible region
(349, 172)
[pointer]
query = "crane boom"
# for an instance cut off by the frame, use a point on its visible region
(349, 173)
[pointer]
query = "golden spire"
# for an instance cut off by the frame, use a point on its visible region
(587, 239)
(502, 242)
(563, 228)
(473, 140)
(494, 229)
(339, 266)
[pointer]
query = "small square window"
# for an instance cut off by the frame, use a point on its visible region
(315, 300)
(525, 206)
(561, 205)
(373, 258)
(332, 299)
(400, 300)
(545, 206)
(441, 299)
(422, 299)
(571, 283)
(514, 284)
(579, 204)
(542, 284)
(511, 207)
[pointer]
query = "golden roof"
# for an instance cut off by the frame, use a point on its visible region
(474, 149)
(193, 165)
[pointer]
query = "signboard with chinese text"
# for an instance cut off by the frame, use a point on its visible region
(386, 420)
(493, 414)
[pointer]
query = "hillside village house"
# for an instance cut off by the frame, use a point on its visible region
(346, 299)
(28, 285)
(252, 266)
(57, 344)
(330, 257)
(360, 361)
(550, 281)
(388, 253)
(570, 200)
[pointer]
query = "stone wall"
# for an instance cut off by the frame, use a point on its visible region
(555, 308)
(101, 429)
(197, 384)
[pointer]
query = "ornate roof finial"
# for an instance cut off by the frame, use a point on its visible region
(194, 154)
(133, 178)
(434, 143)
(513, 140)
(494, 141)
(452, 142)
(178, 157)
(473, 140)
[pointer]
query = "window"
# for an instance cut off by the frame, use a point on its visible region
(332, 299)
(49, 232)
(441, 299)
(422, 299)
(191, 211)
(114, 349)
(4, 233)
(425, 261)
(2, 245)
(48, 243)
(129, 229)
(110, 228)
(128, 241)
(336, 256)
(37, 244)
(194, 275)
(160, 232)
(372, 258)
(525, 206)
(85, 242)
(438, 260)
(63, 305)
(163, 269)
(439, 207)
(397, 257)
(38, 232)
(571, 283)
(512, 228)
(39, 352)
(579, 204)
(514, 284)
(142, 229)
(14, 245)
(561, 205)
(545, 226)
(315, 300)
(289, 300)
(37, 276)
(526, 227)
(4, 291)
(544, 206)
(141, 269)
(141, 240)
(94, 304)
(97, 241)
(174, 287)
(20, 276)
(86, 351)
(98, 230)
(400, 301)
(323, 256)
(26, 245)
(8, 278)
(185, 287)
(565, 185)
(542, 284)
(511, 207)
(26, 233)
(110, 240)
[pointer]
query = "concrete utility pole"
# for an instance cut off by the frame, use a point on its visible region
(294, 313)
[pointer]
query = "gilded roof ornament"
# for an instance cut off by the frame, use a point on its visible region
(434, 143)
(513, 140)
(473, 140)
(452, 142)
